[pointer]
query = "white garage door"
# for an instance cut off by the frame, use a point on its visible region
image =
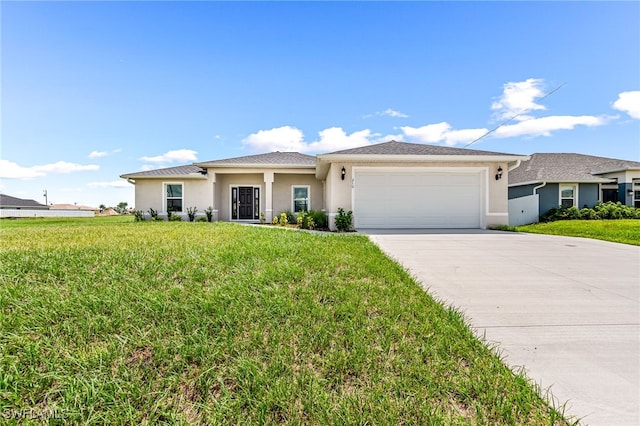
(417, 199)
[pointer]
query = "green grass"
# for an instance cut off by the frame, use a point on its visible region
(626, 231)
(108, 321)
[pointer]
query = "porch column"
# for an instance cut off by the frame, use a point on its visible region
(214, 217)
(268, 196)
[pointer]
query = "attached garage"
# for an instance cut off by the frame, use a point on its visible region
(393, 197)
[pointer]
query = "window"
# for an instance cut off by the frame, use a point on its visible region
(300, 198)
(636, 192)
(173, 197)
(567, 195)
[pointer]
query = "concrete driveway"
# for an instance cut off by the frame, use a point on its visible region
(566, 309)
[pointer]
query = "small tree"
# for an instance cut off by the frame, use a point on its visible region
(121, 207)
(191, 212)
(209, 213)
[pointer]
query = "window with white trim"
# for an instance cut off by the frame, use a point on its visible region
(300, 198)
(636, 192)
(568, 195)
(173, 197)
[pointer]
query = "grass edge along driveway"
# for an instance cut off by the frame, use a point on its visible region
(107, 321)
(625, 231)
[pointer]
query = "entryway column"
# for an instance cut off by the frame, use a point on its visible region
(268, 196)
(214, 206)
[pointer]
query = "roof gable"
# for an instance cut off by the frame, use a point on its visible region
(566, 167)
(188, 170)
(7, 201)
(273, 159)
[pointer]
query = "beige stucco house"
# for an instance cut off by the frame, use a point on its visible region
(387, 185)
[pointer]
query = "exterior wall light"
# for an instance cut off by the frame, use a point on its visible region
(629, 192)
(499, 173)
(343, 172)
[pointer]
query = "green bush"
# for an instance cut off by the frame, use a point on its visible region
(608, 210)
(284, 219)
(203, 219)
(344, 220)
(138, 216)
(320, 219)
(305, 221)
(154, 215)
(174, 217)
(209, 212)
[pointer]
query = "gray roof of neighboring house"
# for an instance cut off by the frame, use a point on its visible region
(552, 167)
(7, 201)
(270, 159)
(178, 171)
(404, 148)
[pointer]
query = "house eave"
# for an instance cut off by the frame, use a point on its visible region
(323, 161)
(617, 170)
(535, 182)
(195, 176)
(253, 166)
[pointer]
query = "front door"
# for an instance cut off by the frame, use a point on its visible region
(609, 195)
(245, 202)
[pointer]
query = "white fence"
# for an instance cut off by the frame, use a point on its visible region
(44, 213)
(523, 210)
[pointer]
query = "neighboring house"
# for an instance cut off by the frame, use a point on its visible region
(75, 207)
(575, 180)
(387, 185)
(9, 202)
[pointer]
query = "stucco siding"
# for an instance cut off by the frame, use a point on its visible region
(588, 194)
(282, 195)
(223, 188)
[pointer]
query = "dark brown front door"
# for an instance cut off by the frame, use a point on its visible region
(245, 202)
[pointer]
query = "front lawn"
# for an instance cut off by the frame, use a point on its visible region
(625, 231)
(104, 321)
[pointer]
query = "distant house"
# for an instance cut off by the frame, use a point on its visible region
(74, 207)
(575, 180)
(386, 185)
(9, 202)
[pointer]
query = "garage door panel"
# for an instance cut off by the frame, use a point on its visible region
(417, 200)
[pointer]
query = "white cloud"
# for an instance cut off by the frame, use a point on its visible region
(289, 138)
(285, 138)
(98, 154)
(629, 102)
(545, 125)
(518, 98)
(178, 155)
(463, 136)
(112, 184)
(431, 133)
(388, 113)
(12, 170)
(334, 138)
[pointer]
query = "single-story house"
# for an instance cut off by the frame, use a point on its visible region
(575, 180)
(387, 185)
(9, 202)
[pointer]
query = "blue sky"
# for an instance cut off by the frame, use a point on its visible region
(93, 90)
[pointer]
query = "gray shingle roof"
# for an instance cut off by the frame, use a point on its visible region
(167, 172)
(552, 167)
(7, 201)
(270, 159)
(404, 148)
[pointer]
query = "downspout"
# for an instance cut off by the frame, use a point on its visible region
(538, 187)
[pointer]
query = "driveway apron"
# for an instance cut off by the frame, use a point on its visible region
(565, 309)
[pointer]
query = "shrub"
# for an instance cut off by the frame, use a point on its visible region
(174, 217)
(606, 210)
(209, 213)
(191, 212)
(274, 221)
(344, 220)
(138, 216)
(154, 215)
(202, 219)
(305, 220)
(262, 219)
(291, 218)
(320, 219)
(284, 219)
